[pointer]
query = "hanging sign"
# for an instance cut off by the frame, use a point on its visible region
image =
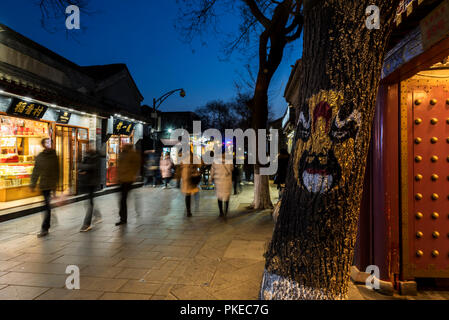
(64, 117)
(123, 127)
(435, 26)
(26, 109)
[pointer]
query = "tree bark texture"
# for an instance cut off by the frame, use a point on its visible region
(312, 248)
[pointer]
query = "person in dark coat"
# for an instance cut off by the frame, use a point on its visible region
(151, 168)
(129, 164)
(281, 175)
(90, 168)
(236, 177)
(46, 175)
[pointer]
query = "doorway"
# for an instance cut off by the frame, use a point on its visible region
(71, 147)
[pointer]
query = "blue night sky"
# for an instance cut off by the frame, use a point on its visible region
(143, 36)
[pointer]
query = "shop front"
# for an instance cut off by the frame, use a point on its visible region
(404, 221)
(20, 143)
(23, 124)
(124, 132)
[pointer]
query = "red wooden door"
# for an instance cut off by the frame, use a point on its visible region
(428, 180)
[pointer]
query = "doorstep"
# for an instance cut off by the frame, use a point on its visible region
(37, 204)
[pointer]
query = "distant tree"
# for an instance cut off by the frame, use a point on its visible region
(273, 25)
(222, 115)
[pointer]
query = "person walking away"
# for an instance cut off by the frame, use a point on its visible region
(190, 178)
(236, 177)
(150, 168)
(166, 166)
(221, 175)
(46, 175)
(281, 175)
(128, 168)
(90, 168)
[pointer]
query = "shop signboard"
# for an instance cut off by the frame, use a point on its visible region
(64, 117)
(122, 127)
(435, 26)
(26, 109)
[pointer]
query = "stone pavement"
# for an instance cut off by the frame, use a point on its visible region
(159, 254)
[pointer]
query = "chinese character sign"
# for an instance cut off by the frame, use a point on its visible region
(26, 109)
(123, 127)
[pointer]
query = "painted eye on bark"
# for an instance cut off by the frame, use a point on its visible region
(348, 128)
(303, 128)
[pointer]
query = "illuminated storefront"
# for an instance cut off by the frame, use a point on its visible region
(20, 143)
(124, 132)
(23, 124)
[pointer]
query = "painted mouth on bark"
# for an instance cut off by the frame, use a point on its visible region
(319, 178)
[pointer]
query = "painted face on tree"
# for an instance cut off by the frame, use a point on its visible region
(325, 147)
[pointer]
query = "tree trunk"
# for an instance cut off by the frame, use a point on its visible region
(262, 199)
(312, 248)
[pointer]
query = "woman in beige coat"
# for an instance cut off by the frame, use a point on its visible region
(190, 178)
(221, 175)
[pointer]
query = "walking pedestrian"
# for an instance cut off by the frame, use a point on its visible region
(46, 175)
(90, 168)
(236, 177)
(166, 166)
(221, 175)
(150, 168)
(128, 168)
(281, 175)
(191, 177)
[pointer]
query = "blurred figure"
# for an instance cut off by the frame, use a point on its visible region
(281, 175)
(249, 169)
(151, 168)
(90, 168)
(236, 177)
(178, 171)
(46, 174)
(128, 167)
(166, 166)
(191, 177)
(221, 174)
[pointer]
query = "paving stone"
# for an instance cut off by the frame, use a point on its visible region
(138, 254)
(65, 294)
(42, 268)
(239, 291)
(140, 263)
(82, 260)
(136, 286)
(6, 265)
(33, 280)
(242, 249)
(35, 257)
(101, 284)
(100, 271)
(89, 252)
(132, 274)
(124, 296)
(21, 293)
(191, 292)
(159, 298)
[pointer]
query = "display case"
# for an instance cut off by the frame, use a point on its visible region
(20, 143)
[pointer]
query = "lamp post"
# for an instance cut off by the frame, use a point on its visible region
(157, 103)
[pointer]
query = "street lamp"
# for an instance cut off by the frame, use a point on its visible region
(157, 103)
